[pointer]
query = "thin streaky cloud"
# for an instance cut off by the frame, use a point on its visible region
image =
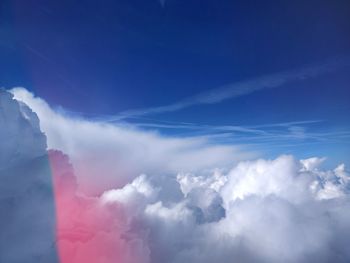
(238, 89)
(269, 133)
(273, 133)
(256, 129)
(285, 124)
(200, 127)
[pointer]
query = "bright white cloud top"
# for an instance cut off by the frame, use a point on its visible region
(178, 200)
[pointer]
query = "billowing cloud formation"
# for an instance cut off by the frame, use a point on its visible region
(261, 211)
(282, 210)
(115, 153)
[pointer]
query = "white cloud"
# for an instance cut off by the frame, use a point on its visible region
(116, 154)
(263, 211)
(312, 163)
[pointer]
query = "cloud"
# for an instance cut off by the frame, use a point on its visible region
(115, 153)
(20, 126)
(27, 207)
(178, 208)
(238, 89)
(88, 228)
(260, 211)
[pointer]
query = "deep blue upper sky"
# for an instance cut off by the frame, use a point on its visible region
(106, 57)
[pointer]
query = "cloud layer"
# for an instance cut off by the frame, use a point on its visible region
(260, 211)
(125, 195)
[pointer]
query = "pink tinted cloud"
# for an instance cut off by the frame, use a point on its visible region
(87, 230)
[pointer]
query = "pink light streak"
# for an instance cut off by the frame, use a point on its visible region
(87, 231)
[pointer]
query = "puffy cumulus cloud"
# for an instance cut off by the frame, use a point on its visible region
(261, 211)
(215, 219)
(116, 154)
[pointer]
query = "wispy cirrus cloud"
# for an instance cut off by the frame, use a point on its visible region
(238, 89)
(270, 134)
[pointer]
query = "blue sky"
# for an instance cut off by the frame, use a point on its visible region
(105, 59)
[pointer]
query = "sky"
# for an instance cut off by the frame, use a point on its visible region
(167, 131)
(121, 58)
